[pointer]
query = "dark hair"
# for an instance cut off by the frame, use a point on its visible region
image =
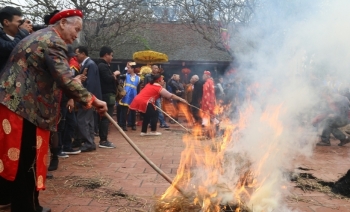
(105, 50)
(70, 52)
(83, 49)
(155, 78)
(8, 13)
(49, 16)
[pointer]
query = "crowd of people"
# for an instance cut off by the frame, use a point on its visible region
(55, 96)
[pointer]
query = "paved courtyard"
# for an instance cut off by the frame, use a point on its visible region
(120, 180)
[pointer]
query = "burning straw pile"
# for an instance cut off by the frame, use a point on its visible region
(198, 176)
(188, 204)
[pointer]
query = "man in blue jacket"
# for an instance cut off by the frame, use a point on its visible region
(14, 29)
(85, 118)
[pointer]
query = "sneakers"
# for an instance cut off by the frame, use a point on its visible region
(87, 149)
(164, 126)
(151, 133)
(155, 133)
(106, 145)
(71, 152)
(63, 155)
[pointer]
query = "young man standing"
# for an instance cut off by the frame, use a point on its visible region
(108, 81)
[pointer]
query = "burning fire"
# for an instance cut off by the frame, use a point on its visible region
(215, 172)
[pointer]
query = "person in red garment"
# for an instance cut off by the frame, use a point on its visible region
(208, 100)
(145, 103)
(31, 87)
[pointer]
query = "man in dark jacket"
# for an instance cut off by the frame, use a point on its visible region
(85, 118)
(13, 30)
(197, 94)
(177, 89)
(334, 116)
(108, 83)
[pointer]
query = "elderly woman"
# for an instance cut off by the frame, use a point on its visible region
(30, 93)
(145, 103)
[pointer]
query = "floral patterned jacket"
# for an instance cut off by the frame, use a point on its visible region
(33, 79)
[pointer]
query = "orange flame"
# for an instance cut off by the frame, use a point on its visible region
(201, 165)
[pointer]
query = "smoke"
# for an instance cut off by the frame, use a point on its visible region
(290, 49)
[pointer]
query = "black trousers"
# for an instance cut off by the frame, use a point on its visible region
(124, 111)
(21, 192)
(331, 127)
(150, 117)
(104, 123)
(196, 115)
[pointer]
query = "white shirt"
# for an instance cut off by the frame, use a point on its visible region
(82, 64)
(9, 36)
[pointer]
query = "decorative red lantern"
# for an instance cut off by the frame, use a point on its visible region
(186, 71)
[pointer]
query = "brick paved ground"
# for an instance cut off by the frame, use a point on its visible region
(121, 171)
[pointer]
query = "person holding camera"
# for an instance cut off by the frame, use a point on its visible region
(14, 29)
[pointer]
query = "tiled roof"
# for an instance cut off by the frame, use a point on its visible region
(176, 40)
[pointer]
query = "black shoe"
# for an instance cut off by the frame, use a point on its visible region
(125, 129)
(343, 142)
(49, 175)
(172, 122)
(322, 143)
(76, 143)
(53, 164)
(164, 126)
(133, 127)
(86, 149)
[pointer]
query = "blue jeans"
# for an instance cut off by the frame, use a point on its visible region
(160, 114)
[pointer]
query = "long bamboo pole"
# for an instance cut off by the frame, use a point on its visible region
(172, 119)
(135, 147)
